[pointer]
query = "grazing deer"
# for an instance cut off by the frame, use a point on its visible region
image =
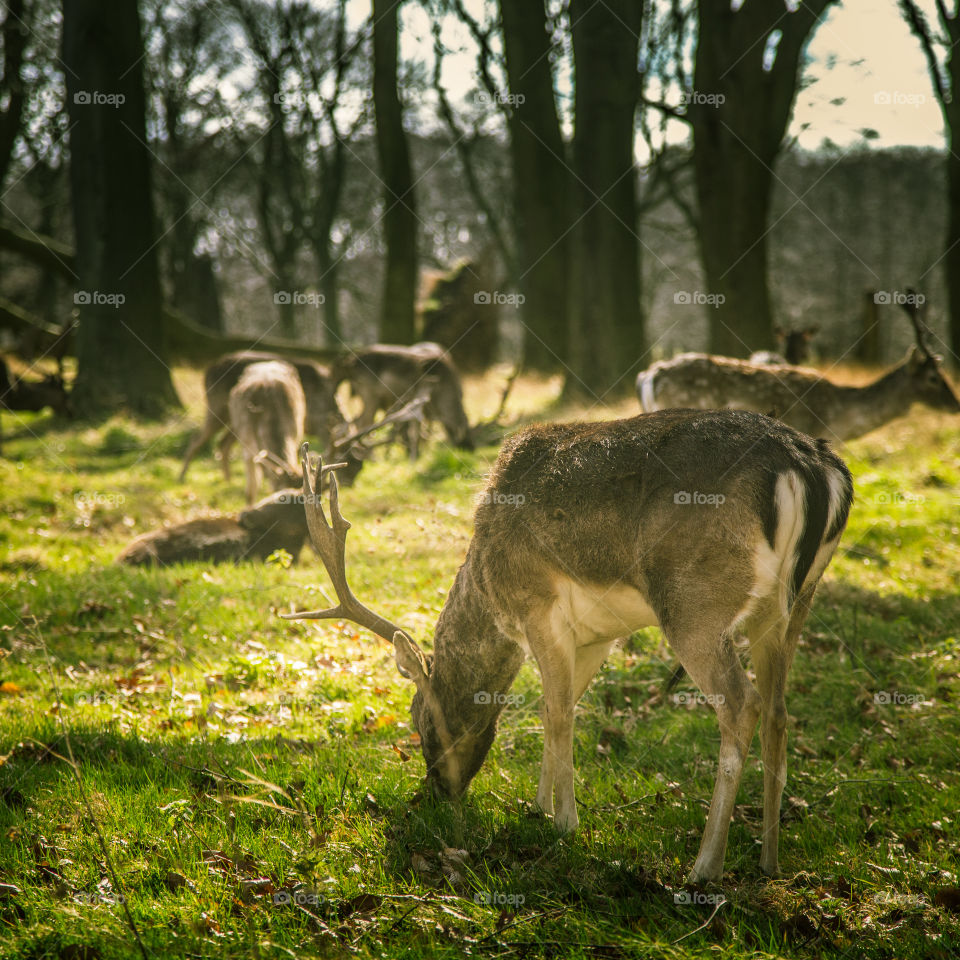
(796, 348)
(384, 375)
(275, 523)
(801, 398)
(267, 413)
(323, 414)
(708, 524)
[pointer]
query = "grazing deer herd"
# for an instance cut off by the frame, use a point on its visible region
(713, 515)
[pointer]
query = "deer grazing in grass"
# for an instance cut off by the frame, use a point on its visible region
(384, 375)
(796, 348)
(267, 414)
(802, 398)
(708, 524)
(323, 415)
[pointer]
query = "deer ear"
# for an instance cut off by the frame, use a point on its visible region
(411, 662)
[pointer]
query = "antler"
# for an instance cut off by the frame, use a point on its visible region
(411, 410)
(916, 315)
(330, 540)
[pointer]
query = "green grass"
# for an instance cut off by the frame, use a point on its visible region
(172, 748)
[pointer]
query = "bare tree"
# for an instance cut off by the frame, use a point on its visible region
(745, 81)
(121, 346)
(943, 62)
(398, 300)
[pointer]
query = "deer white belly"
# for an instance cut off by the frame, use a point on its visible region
(595, 612)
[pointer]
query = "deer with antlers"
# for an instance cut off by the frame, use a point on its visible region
(708, 524)
(803, 398)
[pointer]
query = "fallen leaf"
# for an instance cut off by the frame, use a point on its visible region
(403, 755)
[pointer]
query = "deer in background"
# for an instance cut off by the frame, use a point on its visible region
(267, 414)
(323, 415)
(802, 398)
(17, 394)
(708, 524)
(384, 375)
(796, 347)
(275, 523)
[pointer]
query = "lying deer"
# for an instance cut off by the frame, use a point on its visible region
(796, 348)
(33, 395)
(708, 524)
(801, 398)
(323, 414)
(267, 413)
(275, 523)
(384, 375)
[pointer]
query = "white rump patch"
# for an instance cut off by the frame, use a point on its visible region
(774, 566)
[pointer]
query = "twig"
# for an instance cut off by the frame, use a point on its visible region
(706, 923)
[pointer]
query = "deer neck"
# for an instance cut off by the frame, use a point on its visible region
(474, 666)
(864, 409)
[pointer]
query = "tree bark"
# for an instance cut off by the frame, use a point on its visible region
(741, 103)
(121, 353)
(398, 302)
(15, 31)
(606, 335)
(542, 184)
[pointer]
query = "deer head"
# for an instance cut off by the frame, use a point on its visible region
(923, 365)
(443, 754)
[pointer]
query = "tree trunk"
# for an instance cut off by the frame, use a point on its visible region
(951, 259)
(398, 303)
(542, 185)
(734, 191)
(606, 334)
(15, 30)
(745, 82)
(121, 352)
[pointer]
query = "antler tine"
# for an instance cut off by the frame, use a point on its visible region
(329, 540)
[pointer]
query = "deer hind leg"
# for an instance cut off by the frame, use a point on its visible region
(714, 666)
(224, 447)
(210, 426)
(771, 651)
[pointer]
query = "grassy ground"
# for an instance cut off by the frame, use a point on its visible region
(175, 758)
